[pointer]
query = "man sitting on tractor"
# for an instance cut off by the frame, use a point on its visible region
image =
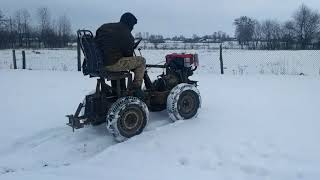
(117, 46)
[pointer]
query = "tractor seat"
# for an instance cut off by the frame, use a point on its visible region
(93, 61)
(115, 75)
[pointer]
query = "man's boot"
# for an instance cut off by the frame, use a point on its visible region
(135, 90)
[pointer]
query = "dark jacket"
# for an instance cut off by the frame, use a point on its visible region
(115, 41)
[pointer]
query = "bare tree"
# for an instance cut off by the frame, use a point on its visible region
(64, 30)
(271, 34)
(289, 33)
(306, 22)
(257, 34)
(7, 36)
(44, 18)
(156, 40)
(21, 24)
(195, 38)
(3, 30)
(318, 44)
(244, 30)
(17, 24)
(2, 20)
(318, 38)
(19, 31)
(26, 27)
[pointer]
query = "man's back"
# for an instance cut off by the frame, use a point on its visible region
(117, 46)
(115, 41)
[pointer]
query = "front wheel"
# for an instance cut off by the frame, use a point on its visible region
(183, 102)
(127, 117)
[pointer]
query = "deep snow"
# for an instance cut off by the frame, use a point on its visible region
(249, 127)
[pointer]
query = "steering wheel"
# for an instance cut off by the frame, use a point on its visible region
(137, 42)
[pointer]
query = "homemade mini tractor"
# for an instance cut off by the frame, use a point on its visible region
(125, 113)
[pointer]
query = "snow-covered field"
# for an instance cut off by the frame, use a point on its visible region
(257, 126)
(250, 127)
(236, 62)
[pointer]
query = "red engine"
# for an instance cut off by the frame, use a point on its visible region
(187, 60)
(179, 67)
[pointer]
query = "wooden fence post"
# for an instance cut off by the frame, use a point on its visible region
(79, 55)
(221, 60)
(23, 60)
(14, 59)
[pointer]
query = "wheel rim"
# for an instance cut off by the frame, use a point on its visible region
(131, 121)
(188, 104)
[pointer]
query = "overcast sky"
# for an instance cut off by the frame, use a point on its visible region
(166, 17)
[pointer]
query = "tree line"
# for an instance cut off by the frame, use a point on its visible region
(216, 37)
(302, 31)
(20, 31)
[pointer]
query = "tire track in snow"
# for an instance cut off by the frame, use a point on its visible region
(59, 146)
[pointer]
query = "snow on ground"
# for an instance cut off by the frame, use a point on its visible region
(53, 60)
(236, 61)
(250, 127)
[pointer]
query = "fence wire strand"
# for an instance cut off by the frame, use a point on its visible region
(236, 61)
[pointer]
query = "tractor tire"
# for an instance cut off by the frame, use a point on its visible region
(127, 117)
(183, 102)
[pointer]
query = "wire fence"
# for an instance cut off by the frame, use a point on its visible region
(45, 59)
(235, 61)
(246, 62)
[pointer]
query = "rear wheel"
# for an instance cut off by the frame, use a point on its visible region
(127, 117)
(183, 102)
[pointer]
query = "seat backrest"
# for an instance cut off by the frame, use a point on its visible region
(93, 61)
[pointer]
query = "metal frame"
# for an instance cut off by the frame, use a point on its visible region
(106, 95)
